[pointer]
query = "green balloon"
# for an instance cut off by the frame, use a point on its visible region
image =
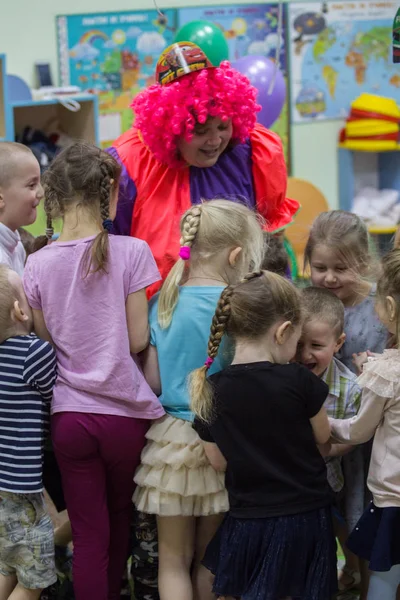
(208, 37)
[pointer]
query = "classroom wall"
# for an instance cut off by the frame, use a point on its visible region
(28, 35)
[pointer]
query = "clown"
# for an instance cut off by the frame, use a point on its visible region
(196, 138)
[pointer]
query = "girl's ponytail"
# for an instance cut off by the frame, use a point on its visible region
(200, 387)
(170, 290)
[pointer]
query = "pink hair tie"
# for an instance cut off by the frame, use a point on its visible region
(184, 252)
(209, 362)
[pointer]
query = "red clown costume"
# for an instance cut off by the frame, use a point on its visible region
(157, 186)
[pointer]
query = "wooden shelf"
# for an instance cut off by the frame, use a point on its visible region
(41, 114)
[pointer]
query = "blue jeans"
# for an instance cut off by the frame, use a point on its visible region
(383, 584)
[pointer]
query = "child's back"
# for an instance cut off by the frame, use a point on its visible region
(181, 346)
(86, 318)
(263, 430)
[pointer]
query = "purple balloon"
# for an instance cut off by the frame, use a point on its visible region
(259, 70)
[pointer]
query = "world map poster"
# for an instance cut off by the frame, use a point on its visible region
(339, 50)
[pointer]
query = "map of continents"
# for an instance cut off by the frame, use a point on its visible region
(335, 60)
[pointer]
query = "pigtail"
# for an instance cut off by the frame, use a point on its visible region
(42, 240)
(169, 294)
(200, 387)
(100, 247)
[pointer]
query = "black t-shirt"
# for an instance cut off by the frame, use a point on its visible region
(262, 426)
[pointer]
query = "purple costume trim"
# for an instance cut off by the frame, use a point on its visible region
(230, 178)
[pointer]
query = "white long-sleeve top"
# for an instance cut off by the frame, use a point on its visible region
(379, 414)
(12, 252)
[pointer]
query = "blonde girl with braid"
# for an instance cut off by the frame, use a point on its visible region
(176, 482)
(87, 291)
(263, 417)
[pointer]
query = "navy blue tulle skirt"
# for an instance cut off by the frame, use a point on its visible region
(271, 558)
(376, 537)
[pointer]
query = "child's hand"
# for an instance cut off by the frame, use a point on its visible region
(361, 358)
(359, 361)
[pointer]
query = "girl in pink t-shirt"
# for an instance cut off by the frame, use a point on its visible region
(87, 292)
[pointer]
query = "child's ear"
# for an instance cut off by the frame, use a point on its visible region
(2, 204)
(18, 314)
(234, 255)
(339, 342)
(282, 332)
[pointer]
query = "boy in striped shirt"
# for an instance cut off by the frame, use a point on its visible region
(322, 337)
(27, 377)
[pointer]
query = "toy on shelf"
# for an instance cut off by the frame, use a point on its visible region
(372, 126)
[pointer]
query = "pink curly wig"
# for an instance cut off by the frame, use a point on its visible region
(165, 113)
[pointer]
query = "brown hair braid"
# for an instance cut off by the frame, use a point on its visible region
(245, 311)
(84, 176)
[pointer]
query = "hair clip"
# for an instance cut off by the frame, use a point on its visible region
(111, 181)
(184, 252)
(107, 225)
(208, 362)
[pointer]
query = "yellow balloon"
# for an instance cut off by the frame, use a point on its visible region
(239, 26)
(119, 37)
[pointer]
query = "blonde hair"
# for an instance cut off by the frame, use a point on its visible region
(207, 229)
(245, 311)
(389, 285)
(8, 295)
(82, 171)
(9, 153)
(346, 234)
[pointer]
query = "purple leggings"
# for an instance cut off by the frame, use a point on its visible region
(98, 456)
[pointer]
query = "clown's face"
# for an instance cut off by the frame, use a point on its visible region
(209, 141)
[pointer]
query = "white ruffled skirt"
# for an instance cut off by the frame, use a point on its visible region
(175, 476)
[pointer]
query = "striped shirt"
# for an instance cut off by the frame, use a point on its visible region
(27, 377)
(343, 402)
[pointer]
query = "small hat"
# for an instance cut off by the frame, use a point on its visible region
(178, 60)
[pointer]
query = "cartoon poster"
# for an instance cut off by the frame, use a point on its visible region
(248, 29)
(339, 50)
(113, 55)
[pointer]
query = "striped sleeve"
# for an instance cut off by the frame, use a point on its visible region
(40, 368)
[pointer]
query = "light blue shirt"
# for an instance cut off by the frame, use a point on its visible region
(183, 346)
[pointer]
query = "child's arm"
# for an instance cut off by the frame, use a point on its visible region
(362, 427)
(137, 318)
(39, 326)
(40, 369)
(340, 449)
(320, 426)
(151, 369)
(215, 456)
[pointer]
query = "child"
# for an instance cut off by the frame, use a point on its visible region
(321, 338)
(20, 194)
(339, 256)
(377, 535)
(263, 418)
(219, 240)
(87, 291)
(27, 376)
